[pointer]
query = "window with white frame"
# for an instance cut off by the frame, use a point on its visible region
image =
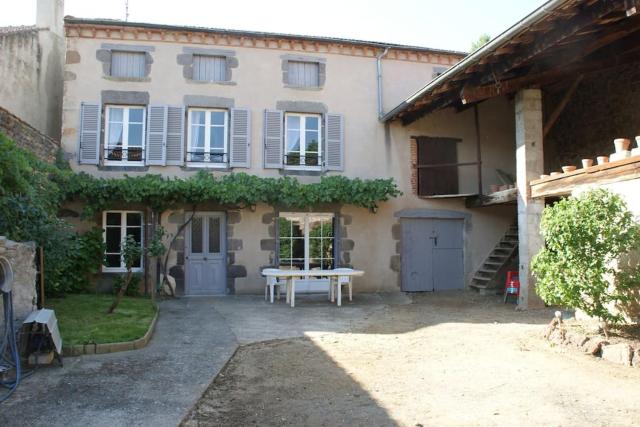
(117, 226)
(303, 141)
(124, 134)
(306, 241)
(208, 134)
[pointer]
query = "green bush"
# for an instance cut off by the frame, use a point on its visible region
(30, 197)
(69, 266)
(584, 235)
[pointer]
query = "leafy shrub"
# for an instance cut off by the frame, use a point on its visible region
(30, 197)
(584, 235)
(69, 265)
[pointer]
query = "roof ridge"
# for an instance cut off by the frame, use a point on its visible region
(109, 21)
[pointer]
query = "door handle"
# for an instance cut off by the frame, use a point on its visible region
(205, 258)
(435, 240)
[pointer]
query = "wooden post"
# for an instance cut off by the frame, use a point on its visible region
(478, 148)
(41, 277)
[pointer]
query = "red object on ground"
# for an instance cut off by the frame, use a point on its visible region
(512, 285)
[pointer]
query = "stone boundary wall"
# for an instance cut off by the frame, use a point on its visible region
(20, 257)
(27, 137)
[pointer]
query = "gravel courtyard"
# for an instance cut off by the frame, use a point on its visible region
(439, 359)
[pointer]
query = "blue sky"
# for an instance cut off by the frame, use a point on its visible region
(452, 24)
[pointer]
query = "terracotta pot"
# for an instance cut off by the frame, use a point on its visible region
(567, 169)
(587, 163)
(622, 144)
(556, 173)
(544, 176)
(494, 188)
(602, 159)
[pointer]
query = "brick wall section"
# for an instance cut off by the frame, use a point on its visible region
(27, 137)
(605, 106)
(413, 166)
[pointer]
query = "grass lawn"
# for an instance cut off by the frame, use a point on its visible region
(82, 319)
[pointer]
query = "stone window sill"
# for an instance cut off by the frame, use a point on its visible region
(112, 168)
(191, 168)
(308, 88)
(200, 82)
(127, 79)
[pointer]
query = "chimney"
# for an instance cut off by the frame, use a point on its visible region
(50, 14)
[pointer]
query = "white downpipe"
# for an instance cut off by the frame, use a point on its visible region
(379, 74)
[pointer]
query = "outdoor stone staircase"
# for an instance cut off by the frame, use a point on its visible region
(489, 279)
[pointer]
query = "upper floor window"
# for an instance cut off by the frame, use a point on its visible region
(304, 74)
(208, 130)
(117, 226)
(437, 71)
(124, 134)
(208, 68)
(303, 141)
(128, 64)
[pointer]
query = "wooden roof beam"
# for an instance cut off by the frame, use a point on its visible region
(563, 31)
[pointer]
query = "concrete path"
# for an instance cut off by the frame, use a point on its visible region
(155, 386)
(253, 320)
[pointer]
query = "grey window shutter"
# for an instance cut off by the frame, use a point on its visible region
(209, 68)
(175, 136)
(128, 64)
(240, 141)
(156, 135)
(334, 142)
(89, 146)
(303, 74)
(273, 123)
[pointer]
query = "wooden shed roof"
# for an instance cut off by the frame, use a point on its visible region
(559, 40)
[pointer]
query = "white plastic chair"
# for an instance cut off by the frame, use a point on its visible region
(273, 285)
(341, 281)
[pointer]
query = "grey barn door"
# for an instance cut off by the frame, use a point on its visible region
(205, 255)
(432, 255)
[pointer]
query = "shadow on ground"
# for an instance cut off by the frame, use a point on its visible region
(320, 393)
(438, 359)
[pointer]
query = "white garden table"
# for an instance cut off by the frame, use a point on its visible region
(292, 275)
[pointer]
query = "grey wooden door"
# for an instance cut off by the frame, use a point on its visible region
(205, 255)
(432, 255)
(416, 255)
(448, 266)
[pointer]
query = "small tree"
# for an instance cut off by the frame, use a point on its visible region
(131, 253)
(482, 40)
(584, 236)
